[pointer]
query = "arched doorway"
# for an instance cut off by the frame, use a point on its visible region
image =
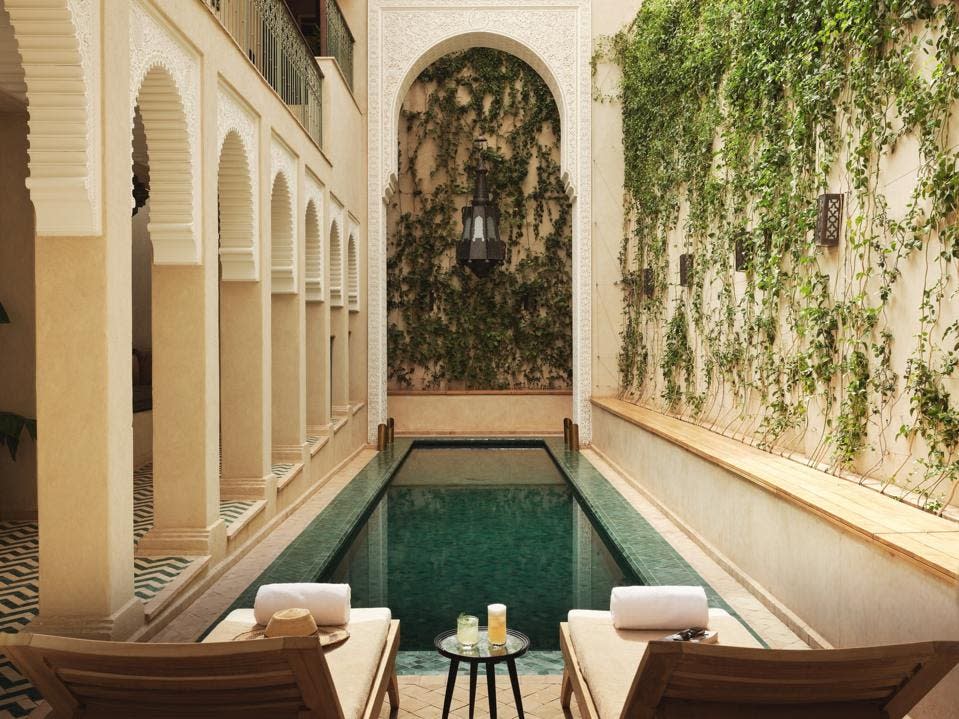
(555, 41)
(317, 321)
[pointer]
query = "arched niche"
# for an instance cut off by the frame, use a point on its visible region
(282, 237)
(554, 38)
(238, 252)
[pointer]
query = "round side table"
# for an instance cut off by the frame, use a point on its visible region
(517, 644)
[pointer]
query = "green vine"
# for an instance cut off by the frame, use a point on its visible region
(447, 328)
(737, 114)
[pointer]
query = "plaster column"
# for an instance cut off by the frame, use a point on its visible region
(84, 397)
(340, 358)
(288, 322)
(244, 392)
(317, 366)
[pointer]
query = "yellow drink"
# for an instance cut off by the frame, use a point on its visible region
(496, 624)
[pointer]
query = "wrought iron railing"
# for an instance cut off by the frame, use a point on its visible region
(271, 39)
(336, 40)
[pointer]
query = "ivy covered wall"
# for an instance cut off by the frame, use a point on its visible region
(736, 115)
(447, 328)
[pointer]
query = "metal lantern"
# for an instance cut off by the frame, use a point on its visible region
(480, 248)
(828, 219)
(686, 269)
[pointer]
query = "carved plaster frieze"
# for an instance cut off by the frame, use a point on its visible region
(554, 38)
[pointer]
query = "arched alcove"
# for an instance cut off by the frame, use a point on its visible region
(335, 281)
(282, 234)
(352, 275)
(172, 230)
(555, 41)
(314, 254)
(235, 208)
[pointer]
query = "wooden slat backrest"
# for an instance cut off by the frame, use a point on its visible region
(270, 677)
(676, 677)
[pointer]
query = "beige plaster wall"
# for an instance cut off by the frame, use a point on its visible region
(18, 479)
(608, 16)
(849, 591)
(479, 413)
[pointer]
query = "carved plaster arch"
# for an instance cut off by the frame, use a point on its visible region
(554, 38)
(336, 254)
(353, 270)
(165, 84)
(313, 239)
(238, 253)
(282, 237)
(238, 189)
(283, 241)
(59, 47)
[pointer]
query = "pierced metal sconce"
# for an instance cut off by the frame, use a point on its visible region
(480, 248)
(649, 284)
(744, 252)
(686, 269)
(828, 219)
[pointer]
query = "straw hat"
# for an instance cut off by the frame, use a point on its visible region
(296, 622)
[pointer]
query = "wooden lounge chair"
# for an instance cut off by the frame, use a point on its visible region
(283, 677)
(681, 680)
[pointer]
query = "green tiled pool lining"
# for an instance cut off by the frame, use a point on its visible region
(638, 545)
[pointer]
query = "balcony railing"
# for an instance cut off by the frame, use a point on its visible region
(336, 40)
(270, 37)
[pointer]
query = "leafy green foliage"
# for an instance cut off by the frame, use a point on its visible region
(512, 329)
(737, 114)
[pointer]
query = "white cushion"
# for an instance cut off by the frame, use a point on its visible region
(352, 664)
(609, 657)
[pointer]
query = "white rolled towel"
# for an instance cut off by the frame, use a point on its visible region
(659, 607)
(328, 603)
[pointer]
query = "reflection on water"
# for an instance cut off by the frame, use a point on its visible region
(462, 528)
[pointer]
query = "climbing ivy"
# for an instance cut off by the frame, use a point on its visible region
(737, 114)
(448, 328)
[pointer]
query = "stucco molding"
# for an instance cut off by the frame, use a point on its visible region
(239, 186)
(315, 241)
(554, 38)
(165, 83)
(283, 245)
(63, 92)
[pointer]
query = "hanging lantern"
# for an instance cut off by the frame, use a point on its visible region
(480, 247)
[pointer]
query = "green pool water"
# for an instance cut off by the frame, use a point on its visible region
(459, 528)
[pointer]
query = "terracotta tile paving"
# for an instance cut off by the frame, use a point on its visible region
(422, 698)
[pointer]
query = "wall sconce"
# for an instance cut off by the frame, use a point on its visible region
(649, 285)
(743, 252)
(686, 269)
(828, 219)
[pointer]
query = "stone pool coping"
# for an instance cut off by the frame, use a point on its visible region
(626, 532)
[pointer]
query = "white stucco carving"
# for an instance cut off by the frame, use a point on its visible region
(165, 82)
(553, 37)
(239, 188)
(283, 244)
(63, 91)
(314, 239)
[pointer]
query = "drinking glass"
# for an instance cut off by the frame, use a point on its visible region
(467, 631)
(496, 624)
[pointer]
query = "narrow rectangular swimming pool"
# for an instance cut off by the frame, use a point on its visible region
(458, 528)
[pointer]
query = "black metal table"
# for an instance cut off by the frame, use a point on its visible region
(517, 644)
